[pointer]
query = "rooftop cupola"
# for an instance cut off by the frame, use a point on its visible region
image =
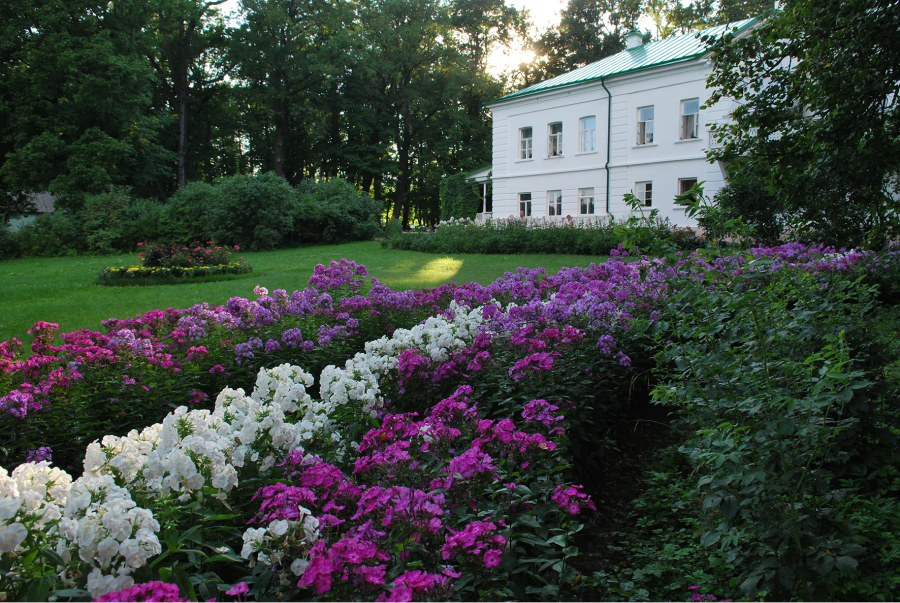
(633, 39)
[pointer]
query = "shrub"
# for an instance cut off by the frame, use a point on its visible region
(59, 233)
(333, 211)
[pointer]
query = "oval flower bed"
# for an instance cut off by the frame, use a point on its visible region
(176, 263)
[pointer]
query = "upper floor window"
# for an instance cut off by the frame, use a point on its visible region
(644, 192)
(588, 134)
(586, 200)
(554, 203)
(525, 143)
(554, 144)
(690, 119)
(645, 125)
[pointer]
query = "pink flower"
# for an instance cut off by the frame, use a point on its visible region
(492, 558)
(238, 589)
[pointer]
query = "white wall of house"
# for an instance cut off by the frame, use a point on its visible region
(663, 162)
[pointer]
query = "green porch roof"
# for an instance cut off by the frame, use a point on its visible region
(653, 54)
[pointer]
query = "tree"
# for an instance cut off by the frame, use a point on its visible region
(817, 88)
(286, 51)
(76, 114)
(187, 48)
(588, 31)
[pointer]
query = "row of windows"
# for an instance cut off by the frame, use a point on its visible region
(690, 122)
(642, 190)
(587, 138)
(587, 131)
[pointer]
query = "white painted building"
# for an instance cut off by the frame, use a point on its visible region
(632, 122)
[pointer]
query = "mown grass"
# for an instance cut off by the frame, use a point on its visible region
(64, 290)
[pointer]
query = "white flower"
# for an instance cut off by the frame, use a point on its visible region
(11, 536)
(134, 555)
(299, 566)
(107, 548)
(9, 507)
(279, 527)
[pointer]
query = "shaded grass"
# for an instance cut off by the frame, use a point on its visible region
(63, 290)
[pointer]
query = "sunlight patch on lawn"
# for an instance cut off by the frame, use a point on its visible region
(441, 269)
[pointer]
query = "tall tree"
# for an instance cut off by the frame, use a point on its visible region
(286, 51)
(588, 31)
(187, 47)
(817, 87)
(76, 111)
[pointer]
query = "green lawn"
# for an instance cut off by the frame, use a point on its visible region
(62, 290)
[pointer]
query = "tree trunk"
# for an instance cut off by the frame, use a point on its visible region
(281, 127)
(403, 176)
(366, 183)
(180, 81)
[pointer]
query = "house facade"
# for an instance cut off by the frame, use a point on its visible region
(633, 122)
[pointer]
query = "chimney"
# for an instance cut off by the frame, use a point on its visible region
(633, 39)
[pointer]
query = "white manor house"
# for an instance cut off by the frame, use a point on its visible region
(632, 122)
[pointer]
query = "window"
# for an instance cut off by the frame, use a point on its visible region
(525, 146)
(645, 125)
(690, 119)
(487, 204)
(588, 134)
(554, 203)
(644, 192)
(686, 184)
(586, 200)
(524, 205)
(554, 144)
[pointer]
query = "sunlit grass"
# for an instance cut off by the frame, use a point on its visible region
(62, 290)
(439, 271)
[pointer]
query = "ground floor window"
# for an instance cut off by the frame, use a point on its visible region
(686, 184)
(586, 200)
(554, 203)
(644, 192)
(524, 205)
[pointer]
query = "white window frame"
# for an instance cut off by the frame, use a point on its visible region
(645, 125)
(586, 201)
(588, 136)
(690, 122)
(554, 203)
(524, 204)
(644, 192)
(554, 140)
(682, 181)
(526, 143)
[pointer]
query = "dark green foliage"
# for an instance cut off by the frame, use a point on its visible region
(746, 197)
(334, 211)
(778, 477)
(251, 211)
(59, 233)
(460, 197)
(818, 115)
(513, 237)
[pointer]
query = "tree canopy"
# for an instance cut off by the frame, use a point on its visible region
(816, 116)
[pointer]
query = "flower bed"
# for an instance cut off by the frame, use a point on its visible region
(425, 444)
(177, 262)
(179, 272)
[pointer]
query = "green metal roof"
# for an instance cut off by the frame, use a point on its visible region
(653, 54)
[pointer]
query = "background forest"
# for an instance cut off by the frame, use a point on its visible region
(147, 96)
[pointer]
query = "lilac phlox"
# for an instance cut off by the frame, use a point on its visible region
(400, 503)
(698, 596)
(470, 463)
(606, 344)
(271, 346)
(410, 363)
(539, 361)
(572, 499)
(393, 428)
(541, 411)
(388, 457)
(623, 360)
(455, 409)
(338, 274)
(42, 453)
(478, 538)
(197, 397)
(414, 584)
